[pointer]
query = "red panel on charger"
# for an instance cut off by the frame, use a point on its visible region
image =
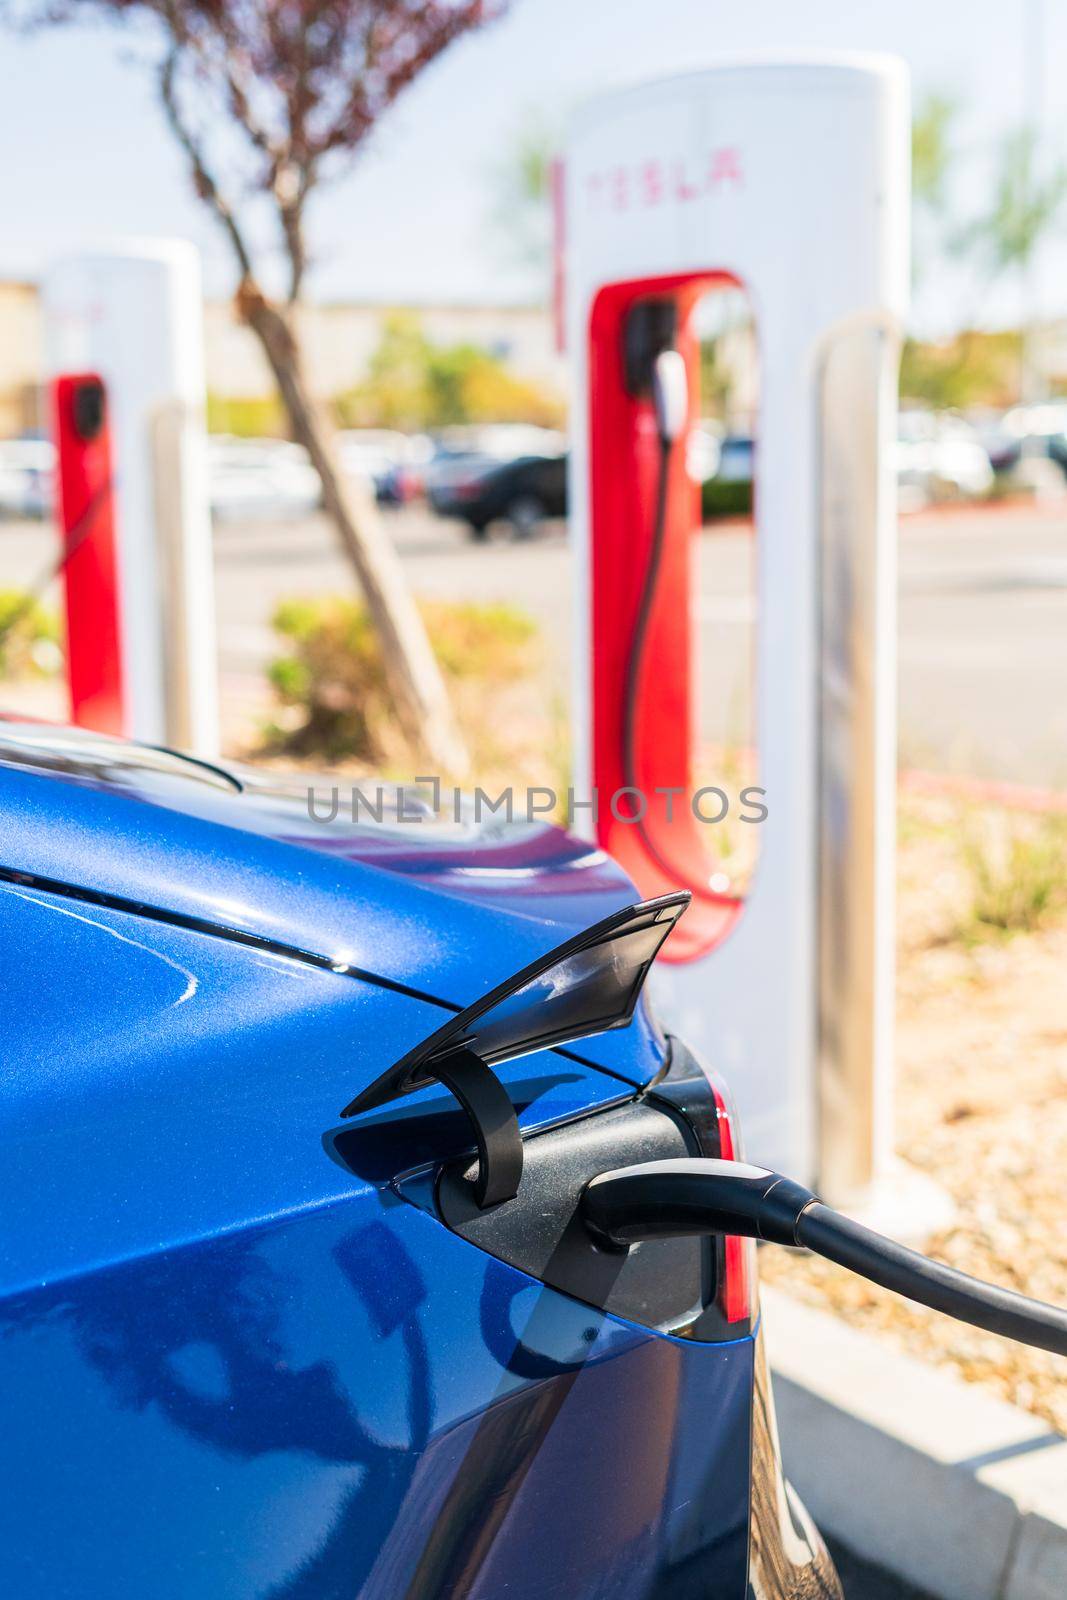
(86, 509)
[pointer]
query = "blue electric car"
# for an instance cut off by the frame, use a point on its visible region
(294, 1297)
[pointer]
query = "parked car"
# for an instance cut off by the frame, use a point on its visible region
(1002, 448)
(449, 462)
(1033, 431)
(703, 450)
(523, 493)
(939, 457)
(250, 478)
(27, 472)
(728, 491)
(398, 485)
(459, 449)
(390, 461)
(252, 1347)
(500, 441)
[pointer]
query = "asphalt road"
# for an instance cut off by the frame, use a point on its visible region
(982, 620)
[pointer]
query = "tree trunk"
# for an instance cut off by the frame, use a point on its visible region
(414, 677)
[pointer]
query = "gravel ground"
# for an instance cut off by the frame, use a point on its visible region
(981, 1106)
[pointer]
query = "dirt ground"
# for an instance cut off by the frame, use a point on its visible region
(981, 1107)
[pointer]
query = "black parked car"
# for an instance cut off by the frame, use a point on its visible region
(523, 492)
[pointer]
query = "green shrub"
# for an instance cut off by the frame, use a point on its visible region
(246, 416)
(334, 676)
(29, 636)
(730, 497)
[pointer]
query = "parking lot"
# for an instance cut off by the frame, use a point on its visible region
(983, 618)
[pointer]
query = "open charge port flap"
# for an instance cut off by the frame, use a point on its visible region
(668, 1286)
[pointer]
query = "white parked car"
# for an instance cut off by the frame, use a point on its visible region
(27, 477)
(389, 462)
(371, 451)
(703, 451)
(260, 478)
(939, 457)
(502, 441)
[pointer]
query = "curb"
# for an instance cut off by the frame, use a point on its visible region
(934, 1480)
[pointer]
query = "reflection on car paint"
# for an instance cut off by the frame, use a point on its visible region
(308, 1411)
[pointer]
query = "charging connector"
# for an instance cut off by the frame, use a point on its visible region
(670, 395)
(651, 326)
(682, 1198)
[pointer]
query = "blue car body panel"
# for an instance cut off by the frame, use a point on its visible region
(448, 913)
(354, 1402)
(234, 1365)
(162, 1085)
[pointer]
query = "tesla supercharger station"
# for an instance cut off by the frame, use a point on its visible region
(124, 351)
(790, 180)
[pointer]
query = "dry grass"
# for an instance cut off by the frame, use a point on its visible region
(29, 637)
(1017, 866)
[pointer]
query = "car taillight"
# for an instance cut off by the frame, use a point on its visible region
(737, 1257)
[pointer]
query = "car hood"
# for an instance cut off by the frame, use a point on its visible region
(443, 909)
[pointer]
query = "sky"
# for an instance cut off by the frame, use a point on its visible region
(89, 155)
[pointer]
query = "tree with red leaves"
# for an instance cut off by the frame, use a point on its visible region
(304, 83)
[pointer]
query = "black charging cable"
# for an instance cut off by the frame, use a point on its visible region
(700, 1197)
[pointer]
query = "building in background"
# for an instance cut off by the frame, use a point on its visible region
(21, 360)
(339, 339)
